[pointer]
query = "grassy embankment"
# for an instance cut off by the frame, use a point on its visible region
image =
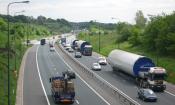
(13, 76)
(108, 43)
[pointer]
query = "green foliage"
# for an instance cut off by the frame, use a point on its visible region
(159, 33)
(18, 31)
(124, 31)
(135, 37)
(155, 40)
(140, 20)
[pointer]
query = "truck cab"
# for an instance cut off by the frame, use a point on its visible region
(153, 78)
(87, 50)
(156, 77)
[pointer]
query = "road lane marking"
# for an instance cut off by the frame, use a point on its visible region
(109, 83)
(40, 77)
(84, 81)
(170, 93)
(77, 101)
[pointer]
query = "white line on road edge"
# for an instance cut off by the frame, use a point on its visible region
(170, 93)
(40, 77)
(84, 81)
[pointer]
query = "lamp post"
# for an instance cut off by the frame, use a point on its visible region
(15, 37)
(118, 44)
(8, 46)
(99, 37)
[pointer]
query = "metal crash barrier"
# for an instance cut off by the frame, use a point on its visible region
(119, 96)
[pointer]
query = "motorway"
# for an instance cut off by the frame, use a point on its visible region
(124, 82)
(41, 64)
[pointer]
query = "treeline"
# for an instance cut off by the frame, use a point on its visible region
(156, 35)
(55, 26)
(19, 30)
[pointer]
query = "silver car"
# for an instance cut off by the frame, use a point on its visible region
(147, 95)
(96, 66)
(102, 61)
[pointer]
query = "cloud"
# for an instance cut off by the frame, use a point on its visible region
(86, 10)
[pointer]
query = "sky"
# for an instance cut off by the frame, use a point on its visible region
(86, 10)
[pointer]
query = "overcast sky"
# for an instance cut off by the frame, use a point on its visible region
(86, 10)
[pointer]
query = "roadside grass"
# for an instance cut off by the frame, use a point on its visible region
(13, 76)
(108, 44)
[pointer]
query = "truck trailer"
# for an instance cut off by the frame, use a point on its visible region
(142, 68)
(84, 47)
(62, 88)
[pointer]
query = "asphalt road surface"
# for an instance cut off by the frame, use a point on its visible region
(124, 82)
(41, 64)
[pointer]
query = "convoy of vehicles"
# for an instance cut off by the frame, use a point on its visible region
(142, 68)
(83, 46)
(62, 88)
(147, 95)
(147, 75)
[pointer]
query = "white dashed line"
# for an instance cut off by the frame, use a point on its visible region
(170, 93)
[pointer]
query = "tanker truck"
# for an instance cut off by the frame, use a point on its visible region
(142, 68)
(84, 47)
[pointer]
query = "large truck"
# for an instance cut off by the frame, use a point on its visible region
(142, 68)
(43, 41)
(62, 88)
(84, 47)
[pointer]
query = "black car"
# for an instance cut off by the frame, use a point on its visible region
(78, 54)
(147, 95)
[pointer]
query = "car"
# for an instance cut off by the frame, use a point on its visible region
(68, 47)
(70, 50)
(64, 44)
(96, 66)
(78, 54)
(52, 49)
(102, 61)
(147, 95)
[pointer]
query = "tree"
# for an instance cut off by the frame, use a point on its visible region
(123, 30)
(135, 37)
(140, 20)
